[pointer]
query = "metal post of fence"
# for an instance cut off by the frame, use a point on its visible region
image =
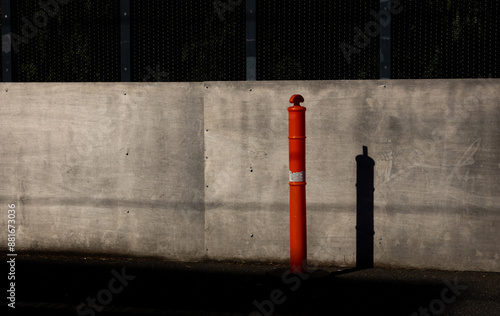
(6, 42)
(385, 40)
(125, 40)
(251, 37)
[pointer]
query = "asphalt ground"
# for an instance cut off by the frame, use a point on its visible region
(82, 285)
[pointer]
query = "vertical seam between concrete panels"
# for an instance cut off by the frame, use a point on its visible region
(204, 87)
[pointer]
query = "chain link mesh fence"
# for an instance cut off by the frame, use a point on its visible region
(187, 40)
(301, 40)
(446, 39)
(204, 40)
(76, 40)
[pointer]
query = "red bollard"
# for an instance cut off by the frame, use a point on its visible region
(297, 152)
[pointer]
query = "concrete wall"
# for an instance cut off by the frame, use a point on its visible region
(206, 175)
(104, 168)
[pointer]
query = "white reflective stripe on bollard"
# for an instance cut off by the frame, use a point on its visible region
(297, 176)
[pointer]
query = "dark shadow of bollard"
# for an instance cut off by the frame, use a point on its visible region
(364, 210)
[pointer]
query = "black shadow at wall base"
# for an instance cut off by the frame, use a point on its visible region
(58, 285)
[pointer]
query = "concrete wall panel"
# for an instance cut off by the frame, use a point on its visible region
(436, 145)
(104, 168)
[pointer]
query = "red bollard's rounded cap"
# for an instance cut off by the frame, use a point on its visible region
(296, 99)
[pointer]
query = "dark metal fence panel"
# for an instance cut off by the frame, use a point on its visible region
(233, 40)
(312, 40)
(66, 40)
(188, 40)
(446, 39)
(6, 55)
(3, 35)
